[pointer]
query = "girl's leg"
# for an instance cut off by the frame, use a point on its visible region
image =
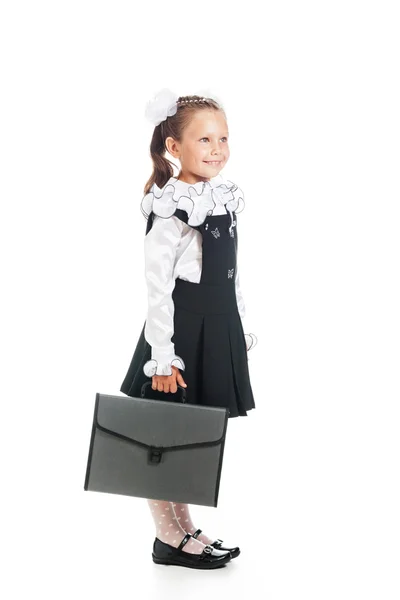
(168, 527)
(182, 511)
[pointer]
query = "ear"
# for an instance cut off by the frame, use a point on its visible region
(173, 147)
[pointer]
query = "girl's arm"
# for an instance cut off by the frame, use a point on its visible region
(160, 247)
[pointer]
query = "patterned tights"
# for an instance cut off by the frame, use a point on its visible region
(173, 522)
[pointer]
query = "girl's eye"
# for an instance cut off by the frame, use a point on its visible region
(206, 138)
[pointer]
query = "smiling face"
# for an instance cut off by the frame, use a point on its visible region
(204, 149)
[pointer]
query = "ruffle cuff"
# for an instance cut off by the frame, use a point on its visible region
(251, 340)
(162, 367)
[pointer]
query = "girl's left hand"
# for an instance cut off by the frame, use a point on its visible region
(168, 383)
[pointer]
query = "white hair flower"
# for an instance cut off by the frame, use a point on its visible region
(162, 105)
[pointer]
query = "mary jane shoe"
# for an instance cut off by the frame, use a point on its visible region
(164, 554)
(218, 545)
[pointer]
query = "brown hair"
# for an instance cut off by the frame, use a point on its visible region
(173, 127)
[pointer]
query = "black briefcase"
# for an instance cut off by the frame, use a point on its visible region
(157, 448)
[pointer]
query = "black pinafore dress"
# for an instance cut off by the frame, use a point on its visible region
(208, 332)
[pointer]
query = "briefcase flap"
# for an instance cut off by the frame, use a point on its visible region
(160, 423)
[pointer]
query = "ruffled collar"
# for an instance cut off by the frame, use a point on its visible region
(198, 200)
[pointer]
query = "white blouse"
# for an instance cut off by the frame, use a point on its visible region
(173, 249)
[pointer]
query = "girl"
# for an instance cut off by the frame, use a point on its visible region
(195, 305)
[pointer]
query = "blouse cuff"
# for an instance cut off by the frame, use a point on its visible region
(162, 364)
(251, 340)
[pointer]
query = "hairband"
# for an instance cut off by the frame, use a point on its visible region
(165, 104)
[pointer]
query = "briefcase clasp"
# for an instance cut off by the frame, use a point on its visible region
(155, 455)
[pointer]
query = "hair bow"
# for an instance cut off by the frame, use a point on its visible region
(161, 106)
(164, 104)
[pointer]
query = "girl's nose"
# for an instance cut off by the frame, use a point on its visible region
(216, 150)
(216, 146)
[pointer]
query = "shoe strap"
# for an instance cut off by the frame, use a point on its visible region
(196, 533)
(183, 542)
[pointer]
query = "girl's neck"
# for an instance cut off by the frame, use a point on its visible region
(186, 177)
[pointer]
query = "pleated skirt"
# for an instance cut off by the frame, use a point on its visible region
(209, 337)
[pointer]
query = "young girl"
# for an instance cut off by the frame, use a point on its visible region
(195, 305)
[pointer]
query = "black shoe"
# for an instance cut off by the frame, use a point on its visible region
(164, 554)
(218, 545)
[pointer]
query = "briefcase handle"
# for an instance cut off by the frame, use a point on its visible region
(183, 392)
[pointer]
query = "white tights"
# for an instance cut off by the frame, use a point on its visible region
(173, 522)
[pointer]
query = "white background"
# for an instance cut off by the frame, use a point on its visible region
(310, 484)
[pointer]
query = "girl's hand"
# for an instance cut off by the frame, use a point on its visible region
(168, 383)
